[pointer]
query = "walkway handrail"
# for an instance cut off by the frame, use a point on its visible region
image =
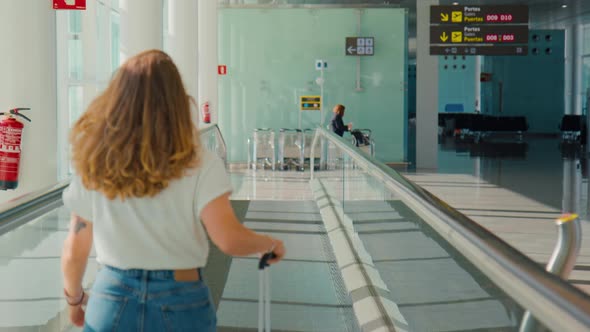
(556, 303)
(26, 208)
(215, 129)
(212, 128)
(23, 209)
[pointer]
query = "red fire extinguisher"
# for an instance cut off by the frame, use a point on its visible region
(11, 131)
(206, 112)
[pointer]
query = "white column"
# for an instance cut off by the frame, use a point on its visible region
(426, 91)
(569, 51)
(208, 60)
(576, 74)
(141, 26)
(28, 79)
(477, 83)
(94, 49)
(572, 186)
(182, 42)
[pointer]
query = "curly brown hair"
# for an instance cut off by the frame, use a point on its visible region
(138, 134)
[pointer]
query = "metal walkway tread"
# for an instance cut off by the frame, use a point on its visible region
(299, 302)
(434, 286)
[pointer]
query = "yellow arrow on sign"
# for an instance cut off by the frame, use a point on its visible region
(444, 17)
(444, 37)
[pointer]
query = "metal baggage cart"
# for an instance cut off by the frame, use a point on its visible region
(263, 149)
(308, 135)
(290, 149)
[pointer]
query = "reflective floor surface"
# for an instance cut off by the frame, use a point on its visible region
(516, 189)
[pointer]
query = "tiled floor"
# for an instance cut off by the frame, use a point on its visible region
(516, 193)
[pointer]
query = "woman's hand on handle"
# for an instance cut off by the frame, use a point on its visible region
(233, 238)
(278, 248)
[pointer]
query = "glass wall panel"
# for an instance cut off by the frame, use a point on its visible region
(115, 41)
(103, 36)
(75, 103)
(165, 23)
(271, 58)
(91, 39)
(76, 58)
(75, 21)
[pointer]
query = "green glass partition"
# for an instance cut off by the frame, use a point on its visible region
(271, 55)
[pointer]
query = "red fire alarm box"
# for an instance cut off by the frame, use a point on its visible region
(222, 70)
(69, 4)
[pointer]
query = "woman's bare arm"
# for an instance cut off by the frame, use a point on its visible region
(74, 259)
(232, 237)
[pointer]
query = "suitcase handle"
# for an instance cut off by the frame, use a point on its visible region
(264, 296)
(263, 263)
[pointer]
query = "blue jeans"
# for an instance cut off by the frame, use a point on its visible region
(141, 300)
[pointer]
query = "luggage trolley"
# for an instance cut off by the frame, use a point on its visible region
(263, 149)
(308, 135)
(290, 149)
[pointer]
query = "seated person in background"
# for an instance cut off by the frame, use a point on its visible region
(337, 124)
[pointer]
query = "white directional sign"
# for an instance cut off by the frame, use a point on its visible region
(360, 46)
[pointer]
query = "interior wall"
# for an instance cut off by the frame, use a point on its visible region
(270, 56)
(532, 85)
(456, 77)
(28, 79)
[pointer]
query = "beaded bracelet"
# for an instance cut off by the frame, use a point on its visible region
(77, 302)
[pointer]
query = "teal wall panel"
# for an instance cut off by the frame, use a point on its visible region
(270, 56)
(532, 85)
(456, 82)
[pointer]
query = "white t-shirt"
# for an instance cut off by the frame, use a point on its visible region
(163, 232)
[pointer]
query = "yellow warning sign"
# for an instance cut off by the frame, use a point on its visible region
(457, 36)
(310, 103)
(457, 17)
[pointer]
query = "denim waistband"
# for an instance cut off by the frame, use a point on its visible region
(150, 274)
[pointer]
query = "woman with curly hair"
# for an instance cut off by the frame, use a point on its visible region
(146, 194)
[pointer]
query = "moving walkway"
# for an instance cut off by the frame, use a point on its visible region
(371, 251)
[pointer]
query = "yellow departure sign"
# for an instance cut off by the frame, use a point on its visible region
(310, 103)
(479, 30)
